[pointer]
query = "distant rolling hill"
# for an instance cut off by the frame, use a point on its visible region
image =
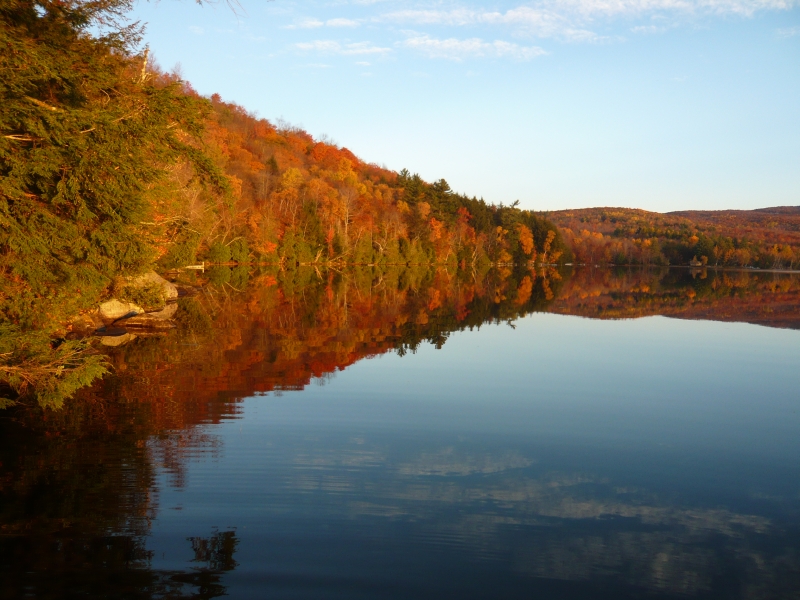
(765, 237)
(777, 224)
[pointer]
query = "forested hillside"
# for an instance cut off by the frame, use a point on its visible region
(295, 200)
(767, 238)
(110, 165)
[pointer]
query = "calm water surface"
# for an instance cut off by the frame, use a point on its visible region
(546, 456)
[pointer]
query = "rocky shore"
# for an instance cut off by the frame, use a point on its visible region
(120, 320)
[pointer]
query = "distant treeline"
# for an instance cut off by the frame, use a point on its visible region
(764, 238)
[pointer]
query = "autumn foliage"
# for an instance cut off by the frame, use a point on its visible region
(766, 238)
(286, 329)
(295, 200)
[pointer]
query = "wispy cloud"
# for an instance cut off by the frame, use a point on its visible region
(535, 21)
(647, 29)
(455, 49)
(196, 30)
(306, 24)
(577, 21)
(342, 23)
(611, 8)
(312, 23)
(455, 17)
(787, 32)
(572, 19)
(347, 49)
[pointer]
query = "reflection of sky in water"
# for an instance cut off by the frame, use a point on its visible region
(650, 454)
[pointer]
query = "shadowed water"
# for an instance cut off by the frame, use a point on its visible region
(426, 434)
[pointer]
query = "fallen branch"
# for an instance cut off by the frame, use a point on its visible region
(43, 104)
(133, 113)
(22, 138)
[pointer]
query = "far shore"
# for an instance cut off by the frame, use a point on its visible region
(606, 266)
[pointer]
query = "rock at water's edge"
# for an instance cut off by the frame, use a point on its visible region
(169, 290)
(117, 340)
(114, 309)
(146, 321)
(165, 313)
(85, 324)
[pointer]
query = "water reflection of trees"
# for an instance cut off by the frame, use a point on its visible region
(312, 323)
(112, 566)
(78, 487)
(285, 329)
(77, 497)
(771, 299)
(282, 330)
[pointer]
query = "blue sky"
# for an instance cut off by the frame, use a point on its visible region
(656, 104)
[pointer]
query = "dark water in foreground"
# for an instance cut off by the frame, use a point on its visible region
(542, 455)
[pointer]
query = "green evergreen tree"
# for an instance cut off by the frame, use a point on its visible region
(86, 137)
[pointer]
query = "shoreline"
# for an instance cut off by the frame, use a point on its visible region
(493, 265)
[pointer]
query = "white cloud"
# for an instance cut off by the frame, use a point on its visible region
(334, 47)
(788, 32)
(647, 29)
(570, 19)
(196, 30)
(455, 49)
(540, 22)
(639, 7)
(320, 46)
(306, 24)
(461, 16)
(341, 23)
(312, 23)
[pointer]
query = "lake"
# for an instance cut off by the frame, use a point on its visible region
(426, 434)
